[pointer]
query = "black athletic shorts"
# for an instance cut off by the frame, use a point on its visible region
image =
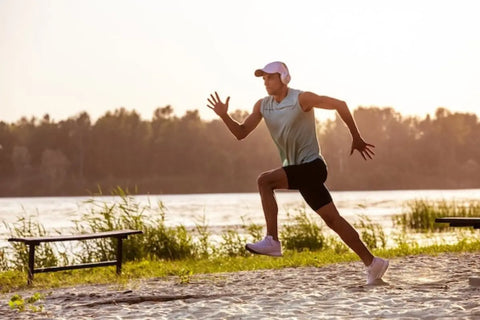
(309, 178)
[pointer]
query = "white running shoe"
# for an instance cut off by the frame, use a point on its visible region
(267, 246)
(376, 270)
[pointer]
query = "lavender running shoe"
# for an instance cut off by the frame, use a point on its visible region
(267, 246)
(376, 270)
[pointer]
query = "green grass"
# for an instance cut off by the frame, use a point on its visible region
(183, 269)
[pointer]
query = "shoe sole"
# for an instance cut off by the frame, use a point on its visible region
(265, 254)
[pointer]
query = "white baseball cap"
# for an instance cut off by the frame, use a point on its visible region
(275, 67)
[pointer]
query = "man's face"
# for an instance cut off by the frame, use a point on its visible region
(272, 82)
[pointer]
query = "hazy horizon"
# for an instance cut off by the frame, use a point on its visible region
(62, 57)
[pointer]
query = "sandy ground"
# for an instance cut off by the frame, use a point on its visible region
(414, 287)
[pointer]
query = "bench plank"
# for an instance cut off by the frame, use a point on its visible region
(460, 221)
(87, 236)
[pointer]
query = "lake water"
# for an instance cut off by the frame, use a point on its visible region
(220, 210)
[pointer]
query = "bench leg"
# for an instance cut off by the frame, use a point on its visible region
(119, 255)
(474, 281)
(31, 262)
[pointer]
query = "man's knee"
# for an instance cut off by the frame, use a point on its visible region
(265, 180)
(272, 180)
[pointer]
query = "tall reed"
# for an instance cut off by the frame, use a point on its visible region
(44, 254)
(158, 241)
(420, 214)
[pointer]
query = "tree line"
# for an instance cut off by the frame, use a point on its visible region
(172, 154)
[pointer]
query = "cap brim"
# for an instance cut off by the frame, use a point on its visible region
(259, 73)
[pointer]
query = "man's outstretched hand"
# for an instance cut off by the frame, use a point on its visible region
(216, 104)
(364, 148)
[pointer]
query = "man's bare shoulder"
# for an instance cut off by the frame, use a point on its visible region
(308, 100)
(257, 106)
(308, 95)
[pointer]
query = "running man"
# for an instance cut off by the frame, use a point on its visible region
(289, 116)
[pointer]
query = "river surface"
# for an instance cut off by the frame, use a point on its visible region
(220, 210)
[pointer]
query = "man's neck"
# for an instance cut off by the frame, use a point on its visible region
(281, 95)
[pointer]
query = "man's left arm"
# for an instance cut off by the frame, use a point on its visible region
(309, 100)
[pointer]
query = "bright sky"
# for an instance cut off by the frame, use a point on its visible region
(62, 57)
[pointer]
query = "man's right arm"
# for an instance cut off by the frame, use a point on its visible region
(239, 130)
(242, 130)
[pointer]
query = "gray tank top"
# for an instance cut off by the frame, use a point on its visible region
(292, 129)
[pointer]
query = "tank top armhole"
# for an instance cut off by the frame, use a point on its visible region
(299, 92)
(262, 105)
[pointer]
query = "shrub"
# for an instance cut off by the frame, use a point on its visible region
(233, 244)
(302, 234)
(163, 242)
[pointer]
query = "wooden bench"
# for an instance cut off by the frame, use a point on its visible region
(460, 222)
(463, 222)
(32, 242)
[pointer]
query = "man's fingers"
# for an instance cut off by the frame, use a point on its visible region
(370, 151)
(213, 98)
(364, 151)
(228, 99)
(211, 102)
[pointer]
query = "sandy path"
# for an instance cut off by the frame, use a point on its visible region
(415, 287)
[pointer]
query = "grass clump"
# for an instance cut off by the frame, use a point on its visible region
(303, 233)
(158, 241)
(420, 214)
(17, 302)
(371, 233)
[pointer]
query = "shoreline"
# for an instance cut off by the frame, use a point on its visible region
(420, 286)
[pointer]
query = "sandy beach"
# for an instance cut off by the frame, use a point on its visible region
(426, 287)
